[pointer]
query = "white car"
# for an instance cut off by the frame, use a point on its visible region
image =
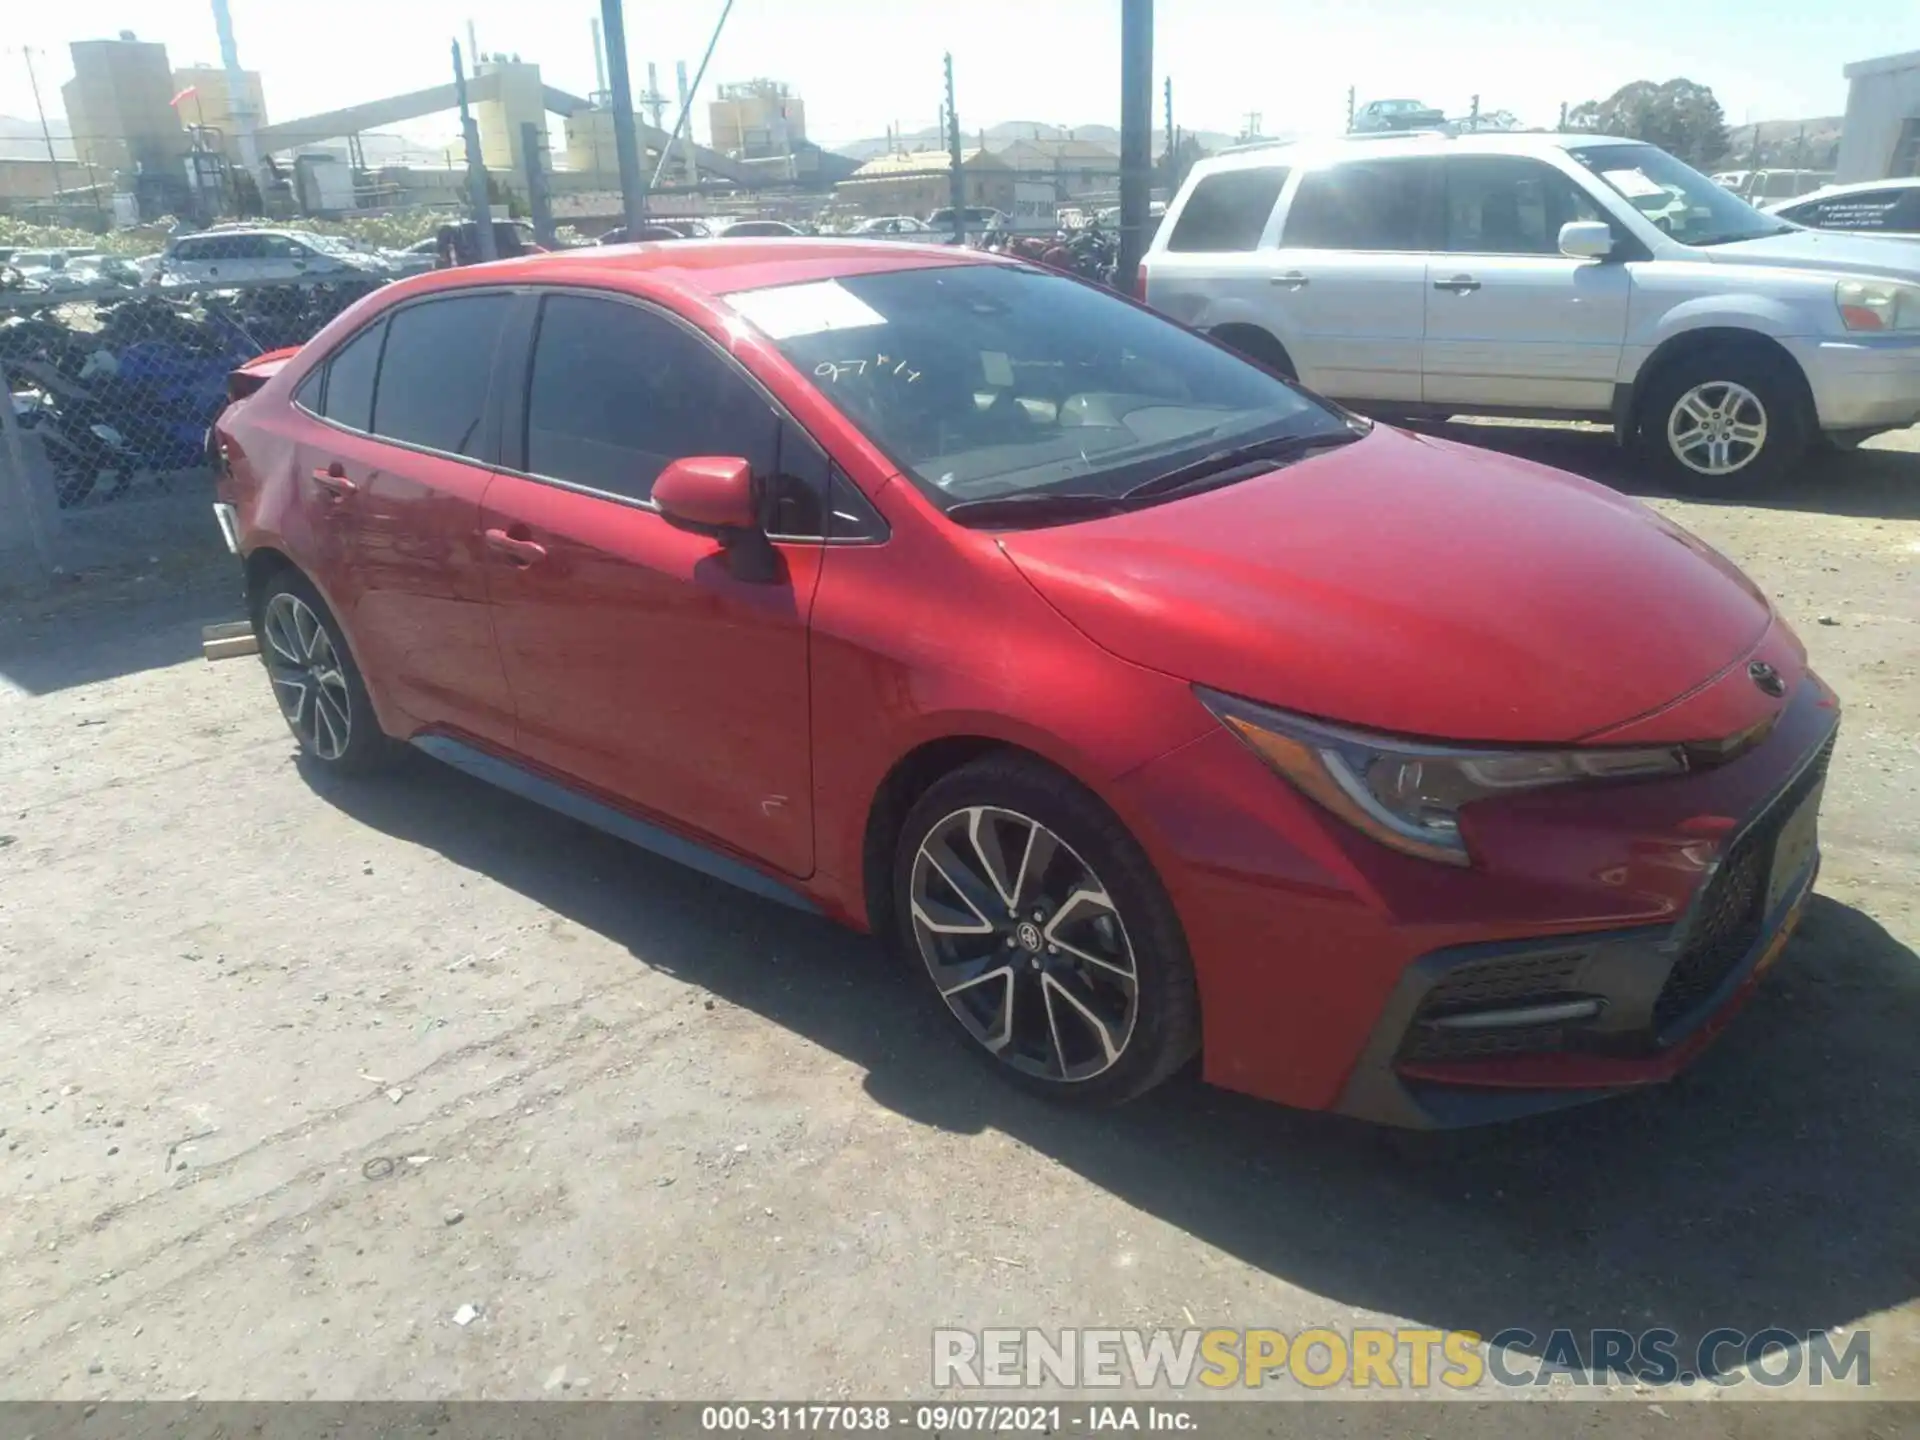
(1558, 276)
(896, 227)
(1871, 207)
(243, 255)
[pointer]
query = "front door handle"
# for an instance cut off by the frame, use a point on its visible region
(333, 479)
(521, 552)
(1293, 280)
(1459, 284)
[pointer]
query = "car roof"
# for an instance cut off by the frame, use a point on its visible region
(709, 267)
(1334, 149)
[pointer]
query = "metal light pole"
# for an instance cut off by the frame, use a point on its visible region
(476, 167)
(1136, 132)
(626, 144)
(45, 134)
(956, 178)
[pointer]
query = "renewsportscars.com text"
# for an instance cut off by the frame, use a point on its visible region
(1412, 1359)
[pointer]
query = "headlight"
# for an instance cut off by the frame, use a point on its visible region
(1877, 305)
(1406, 793)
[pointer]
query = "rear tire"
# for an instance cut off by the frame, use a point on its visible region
(1045, 933)
(317, 685)
(1725, 422)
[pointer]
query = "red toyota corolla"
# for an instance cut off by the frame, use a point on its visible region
(1153, 706)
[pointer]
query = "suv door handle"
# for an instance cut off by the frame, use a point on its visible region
(1459, 284)
(521, 552)
(333, 478)
(1293, 280)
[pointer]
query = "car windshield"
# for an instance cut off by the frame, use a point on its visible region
(1680, 200)
(989, 381)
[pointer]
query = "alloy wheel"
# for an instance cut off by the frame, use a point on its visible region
(304, 665)
(1025, 944)
(1717, 428)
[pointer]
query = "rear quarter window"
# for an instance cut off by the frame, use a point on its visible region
(1360, 205)
(1228, 210)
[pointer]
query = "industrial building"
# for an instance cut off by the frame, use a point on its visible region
(1881, 134)
(757, 120)
(213, 106)
(119, 107)
(918, 182)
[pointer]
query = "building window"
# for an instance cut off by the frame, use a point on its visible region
(1906, 155)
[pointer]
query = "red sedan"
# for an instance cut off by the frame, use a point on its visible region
(1152, 706)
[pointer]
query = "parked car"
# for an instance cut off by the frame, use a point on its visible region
(747, 229)
(260, 254)
(657, 230)
(903, 227)
(974, 220)
(1148, 704)
(1377, 116)
(1767, 185)
(1549, 275)
(1871, 207)
(416, 258)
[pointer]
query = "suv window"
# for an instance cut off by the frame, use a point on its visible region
(347, 398)
(1510, 205)
(618, 391)
(1360, 205)
(433, 377)
(1228, 210)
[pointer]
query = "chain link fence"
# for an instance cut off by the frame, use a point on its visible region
(110, 396)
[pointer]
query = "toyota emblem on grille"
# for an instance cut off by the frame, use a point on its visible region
(1767, 678)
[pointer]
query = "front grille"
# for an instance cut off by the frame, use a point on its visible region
(1504, 980)
(1426, 1043)
(1499, 982)
(1727, 921)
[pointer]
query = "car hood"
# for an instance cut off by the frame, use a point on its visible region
(1824, 250)
(1410, 585)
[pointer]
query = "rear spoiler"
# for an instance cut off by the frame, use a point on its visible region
(256, 372)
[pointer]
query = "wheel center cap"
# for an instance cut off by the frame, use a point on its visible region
(1028, 934)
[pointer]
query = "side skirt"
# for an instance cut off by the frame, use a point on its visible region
(557, 797)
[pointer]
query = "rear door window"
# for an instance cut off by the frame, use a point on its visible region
(435, 370)
(1867, 211)
(1363, 205)
(347, 398)
(1228, 210)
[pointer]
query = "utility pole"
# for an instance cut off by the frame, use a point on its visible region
(956, 180)
(533, 143)
(1173, 174)
(1351, 97)
(476, 167)
(626, 144)
(690, 172)
(1473, 118)
(45, 134)
(1136, 133)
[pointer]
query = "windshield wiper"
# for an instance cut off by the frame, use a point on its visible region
(1034, 506)
(1223, 467)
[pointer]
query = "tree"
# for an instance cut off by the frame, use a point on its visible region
(1679, 116)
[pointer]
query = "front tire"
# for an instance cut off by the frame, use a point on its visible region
(1045, 933)
(1725, 422)
(317, 685)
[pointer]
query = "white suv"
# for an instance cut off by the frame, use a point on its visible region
(1554, 276)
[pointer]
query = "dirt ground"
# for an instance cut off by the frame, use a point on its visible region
(290, 1073)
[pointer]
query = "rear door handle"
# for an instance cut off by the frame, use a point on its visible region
(333, 478)
(1459, 284)
(521, 552)
(1293, 279)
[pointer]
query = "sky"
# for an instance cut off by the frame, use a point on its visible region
(862, 65)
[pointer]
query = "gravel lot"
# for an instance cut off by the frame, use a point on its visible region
(293, 1072)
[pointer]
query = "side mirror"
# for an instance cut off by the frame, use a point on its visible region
(1586, 239)
(717, 495)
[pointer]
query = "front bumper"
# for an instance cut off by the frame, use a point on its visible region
(1494, 1032)
(1863, 383)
